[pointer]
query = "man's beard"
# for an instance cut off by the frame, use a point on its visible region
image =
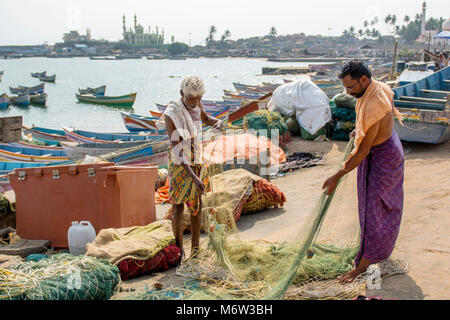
(359, 95)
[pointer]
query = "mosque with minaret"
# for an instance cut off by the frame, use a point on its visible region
(139, 38)
(429, 35)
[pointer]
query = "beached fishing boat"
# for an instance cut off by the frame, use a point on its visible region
(99, 91)
(76, 151)
(39, 74)
(5, 101)
(13, 153)
(120, 101)
(136, 154)
(155, 114)
(34, 146)
(48, 78)
(38, 99)
(254, 88)
(49, 136)
(425, 109)
(82, 136)
(135, 122)
(8, 166)
(21, 101)
(30, 90)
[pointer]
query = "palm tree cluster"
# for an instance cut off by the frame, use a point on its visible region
(212, 31)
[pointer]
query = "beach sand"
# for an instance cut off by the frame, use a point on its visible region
(424, 240)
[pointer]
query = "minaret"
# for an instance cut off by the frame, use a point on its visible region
(123, 26)
(424, 9)
(135, 22)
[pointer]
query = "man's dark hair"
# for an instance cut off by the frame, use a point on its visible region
(356, 69)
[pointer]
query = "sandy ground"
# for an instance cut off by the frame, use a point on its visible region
(424, 240)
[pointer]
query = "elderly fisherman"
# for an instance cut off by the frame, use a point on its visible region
(188, 177)
(378, 154)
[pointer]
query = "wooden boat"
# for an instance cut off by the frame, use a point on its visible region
(158, 159)
(210, 108)
(38, 99)
(254, 88)
(99, 91)
(12, 153)
(5, 101)
(48, 78)
(49, 136)
(39, 74)
(135, 122)
(76, 151)
(30, 90)
(104, 58)
(82, 136)
(425, 109)
(21, 101)
(34, 146)
(136, 154)
(8, 166)
(155, 114)
(120, 101)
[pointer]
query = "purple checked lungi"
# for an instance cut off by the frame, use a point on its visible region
(380, 199)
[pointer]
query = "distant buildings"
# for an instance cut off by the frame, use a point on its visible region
(139, 38)
(74, 36)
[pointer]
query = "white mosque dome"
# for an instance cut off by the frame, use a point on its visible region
(446, 25)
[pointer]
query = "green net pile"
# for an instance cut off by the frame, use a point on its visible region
(265, 119)
(60, 277)
(229, 267)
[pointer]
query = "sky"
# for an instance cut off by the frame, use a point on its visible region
(29, 22)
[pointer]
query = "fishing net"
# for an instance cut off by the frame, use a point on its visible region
(234, 266)
(59, 277)
(265, 119)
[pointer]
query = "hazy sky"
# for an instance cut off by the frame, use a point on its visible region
(36, 21)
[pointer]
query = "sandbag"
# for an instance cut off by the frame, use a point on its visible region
(305, 100)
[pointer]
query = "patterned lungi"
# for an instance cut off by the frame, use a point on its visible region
(380, 199)
(182, 188)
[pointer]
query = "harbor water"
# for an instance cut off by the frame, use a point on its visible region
(155, 81)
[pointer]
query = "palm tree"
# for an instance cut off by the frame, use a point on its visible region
(406, 19)
(388, 19)
(366, 24)
(393, 19)
(273, 32)
(226, 35)
(352, 31)
(360, 33)
(374, 21)
(212, 31)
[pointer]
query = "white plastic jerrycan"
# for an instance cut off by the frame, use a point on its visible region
(79, 235)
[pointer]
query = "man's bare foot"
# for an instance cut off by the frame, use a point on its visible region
(349, 276)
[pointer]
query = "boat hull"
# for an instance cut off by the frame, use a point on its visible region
(121, 101)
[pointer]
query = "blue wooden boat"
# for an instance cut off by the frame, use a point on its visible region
(21, 101)
(39, 74)
(76, 151)
(82, 136)
(135, 154)
(46, 135)
(30, 90)
(99, 91)
(425, 109)
(32, 151)
(5, 101)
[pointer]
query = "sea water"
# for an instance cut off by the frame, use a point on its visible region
(155, 81)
